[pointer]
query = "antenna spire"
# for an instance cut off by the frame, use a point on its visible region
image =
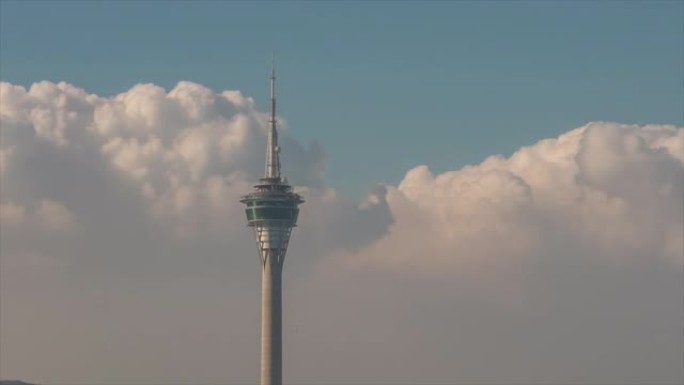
(272, 149)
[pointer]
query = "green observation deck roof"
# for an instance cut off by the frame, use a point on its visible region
(272, 202)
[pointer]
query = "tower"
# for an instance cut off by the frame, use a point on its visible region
(272, 210)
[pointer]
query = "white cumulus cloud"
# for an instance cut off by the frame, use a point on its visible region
(123, 241)
(178, 149)
(609, 189)
(559, 264)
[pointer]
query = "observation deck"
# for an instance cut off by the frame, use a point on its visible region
(272, 201)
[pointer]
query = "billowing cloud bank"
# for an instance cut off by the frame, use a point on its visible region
(609, 190)
(560, 264)
(188, 152)
(125, 258)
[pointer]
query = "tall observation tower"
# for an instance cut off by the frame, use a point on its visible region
(272, 210)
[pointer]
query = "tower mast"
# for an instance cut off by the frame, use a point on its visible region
(272, 149)
(272, 209)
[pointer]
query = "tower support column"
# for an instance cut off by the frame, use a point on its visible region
(272, 210)
(271, 321)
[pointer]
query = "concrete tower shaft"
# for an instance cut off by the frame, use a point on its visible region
(271, 323)
(272, 211)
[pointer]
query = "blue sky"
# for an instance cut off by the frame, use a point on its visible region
(384, 86)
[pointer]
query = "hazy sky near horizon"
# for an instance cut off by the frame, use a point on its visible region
(493, 191)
